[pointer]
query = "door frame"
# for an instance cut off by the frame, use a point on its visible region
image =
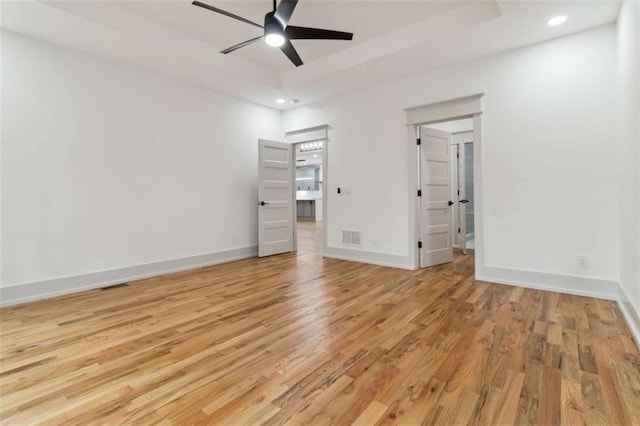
(447, 110)
(296, 137)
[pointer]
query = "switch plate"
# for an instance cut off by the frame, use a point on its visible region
(583, 262)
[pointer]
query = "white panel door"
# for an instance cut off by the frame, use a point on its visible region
(436, 229)
(275, 193)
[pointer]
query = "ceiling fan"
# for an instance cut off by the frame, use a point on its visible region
(278, 32)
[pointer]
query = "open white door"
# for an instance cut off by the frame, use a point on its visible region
(275, 198)
(435, 202)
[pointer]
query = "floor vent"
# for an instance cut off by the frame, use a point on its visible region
(110, 287)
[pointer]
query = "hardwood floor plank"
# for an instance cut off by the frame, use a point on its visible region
(371, 414)
(572, 405)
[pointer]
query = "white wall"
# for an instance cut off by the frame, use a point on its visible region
(107, 167)
(629, 155)
(548, 156)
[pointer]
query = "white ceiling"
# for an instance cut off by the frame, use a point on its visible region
(220, 31)
(392, 39)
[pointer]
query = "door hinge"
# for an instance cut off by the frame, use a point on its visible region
(457, 155)
(419, 193)
(458, 192)
(458, 230)
(419, 244)
(418, 141)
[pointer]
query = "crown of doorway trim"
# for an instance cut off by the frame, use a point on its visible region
(445, 110)
(311, 134)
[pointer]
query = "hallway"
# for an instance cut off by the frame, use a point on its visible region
(309, 237)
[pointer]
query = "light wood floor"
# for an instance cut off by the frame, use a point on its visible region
(306, 340)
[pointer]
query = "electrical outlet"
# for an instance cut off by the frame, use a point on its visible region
(583, 262)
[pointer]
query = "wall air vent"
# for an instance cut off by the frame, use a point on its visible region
(351, 237)
(355, 238)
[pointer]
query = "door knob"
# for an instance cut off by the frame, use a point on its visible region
(464, 201)
(262, 203)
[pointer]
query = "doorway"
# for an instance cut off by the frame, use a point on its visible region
(462, 177)
(435, 113)
(309, 186)
(278, 193)
(446, 190)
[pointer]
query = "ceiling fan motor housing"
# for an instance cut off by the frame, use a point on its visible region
(272, 25)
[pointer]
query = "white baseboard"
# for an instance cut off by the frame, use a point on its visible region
(371, 257)
(26, 292)
(631, 315)
(570, 284)
(581, 286)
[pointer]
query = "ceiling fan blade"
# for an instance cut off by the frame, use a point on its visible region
(239, 45)
(288, 49)
(225, 13)
(300, 33)
(284, 10)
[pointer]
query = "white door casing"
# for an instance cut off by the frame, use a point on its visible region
(435, 209)
(275, 198)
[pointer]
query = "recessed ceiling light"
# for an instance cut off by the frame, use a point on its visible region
(275, 40)
(556, 20)
(281, 100)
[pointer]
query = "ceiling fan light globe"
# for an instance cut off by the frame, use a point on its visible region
(557, 20)
(274, 40)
